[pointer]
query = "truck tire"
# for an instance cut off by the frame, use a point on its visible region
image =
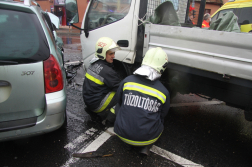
(248, 111)
(248, 115)
(169, 80)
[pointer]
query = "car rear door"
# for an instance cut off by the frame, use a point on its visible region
(23, 47)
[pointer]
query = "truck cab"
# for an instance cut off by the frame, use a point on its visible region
(210, 62)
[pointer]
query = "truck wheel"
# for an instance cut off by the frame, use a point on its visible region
(120, 69)
(248, 115)
(169, 80)
(248, 112)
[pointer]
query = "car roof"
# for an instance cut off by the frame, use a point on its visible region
(234, 4)
(21, 6)
(238, 4)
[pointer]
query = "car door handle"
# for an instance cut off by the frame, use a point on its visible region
(123, 43)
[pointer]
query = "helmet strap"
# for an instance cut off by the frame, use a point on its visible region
(100, 57)
(165, 65)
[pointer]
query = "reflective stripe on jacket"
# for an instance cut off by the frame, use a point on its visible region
(145, 89)
(143, 106)
(105, 102)
(139, 143)
(101, 82)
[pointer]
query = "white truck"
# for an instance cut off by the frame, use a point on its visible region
(214, 63)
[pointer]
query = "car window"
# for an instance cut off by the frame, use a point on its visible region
(104, 12)
(224, 11)
(48, 21)
(153, 5)
(49, 27)
(245, 16)
(215, 17)
(48, 24)
(174, 2)
(22, 37)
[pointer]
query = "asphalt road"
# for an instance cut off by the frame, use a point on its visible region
(197, 132)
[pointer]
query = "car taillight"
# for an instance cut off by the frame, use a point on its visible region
(52, 75)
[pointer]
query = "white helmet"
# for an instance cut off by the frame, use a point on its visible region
(156, 58)
(103, 45)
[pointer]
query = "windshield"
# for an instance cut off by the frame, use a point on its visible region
(22, 38)
(104, 12)
(245, 16)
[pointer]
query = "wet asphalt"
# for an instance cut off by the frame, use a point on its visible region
(209, 135)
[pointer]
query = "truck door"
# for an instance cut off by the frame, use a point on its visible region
(116, 19)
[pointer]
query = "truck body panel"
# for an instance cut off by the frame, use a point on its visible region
(214, 51)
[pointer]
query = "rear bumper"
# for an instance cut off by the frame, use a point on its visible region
(52, 118)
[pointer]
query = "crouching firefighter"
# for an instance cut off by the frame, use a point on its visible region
(101, 82)
(143, 103)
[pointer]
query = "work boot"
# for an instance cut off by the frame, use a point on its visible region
(109, 124)
(94, 117)
(145, 150)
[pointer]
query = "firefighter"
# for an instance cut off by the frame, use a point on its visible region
(143, 103)
(101, 82)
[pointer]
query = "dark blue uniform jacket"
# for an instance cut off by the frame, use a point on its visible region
(143, 107)
(100, 79)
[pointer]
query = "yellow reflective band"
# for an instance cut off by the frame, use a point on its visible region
(97, 81)
(112, 110)
(106, 102)
(146, 90)
(138, 143)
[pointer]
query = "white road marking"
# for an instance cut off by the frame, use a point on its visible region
(97, 142)
(81, 138)
(93, 146)
(111, 131)
(159, 151)
(173, 157)
(197, 103)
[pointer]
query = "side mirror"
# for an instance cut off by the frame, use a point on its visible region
(72, 11)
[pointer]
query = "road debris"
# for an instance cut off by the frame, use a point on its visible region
(92, 154)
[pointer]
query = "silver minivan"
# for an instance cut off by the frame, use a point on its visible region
(32, 75)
